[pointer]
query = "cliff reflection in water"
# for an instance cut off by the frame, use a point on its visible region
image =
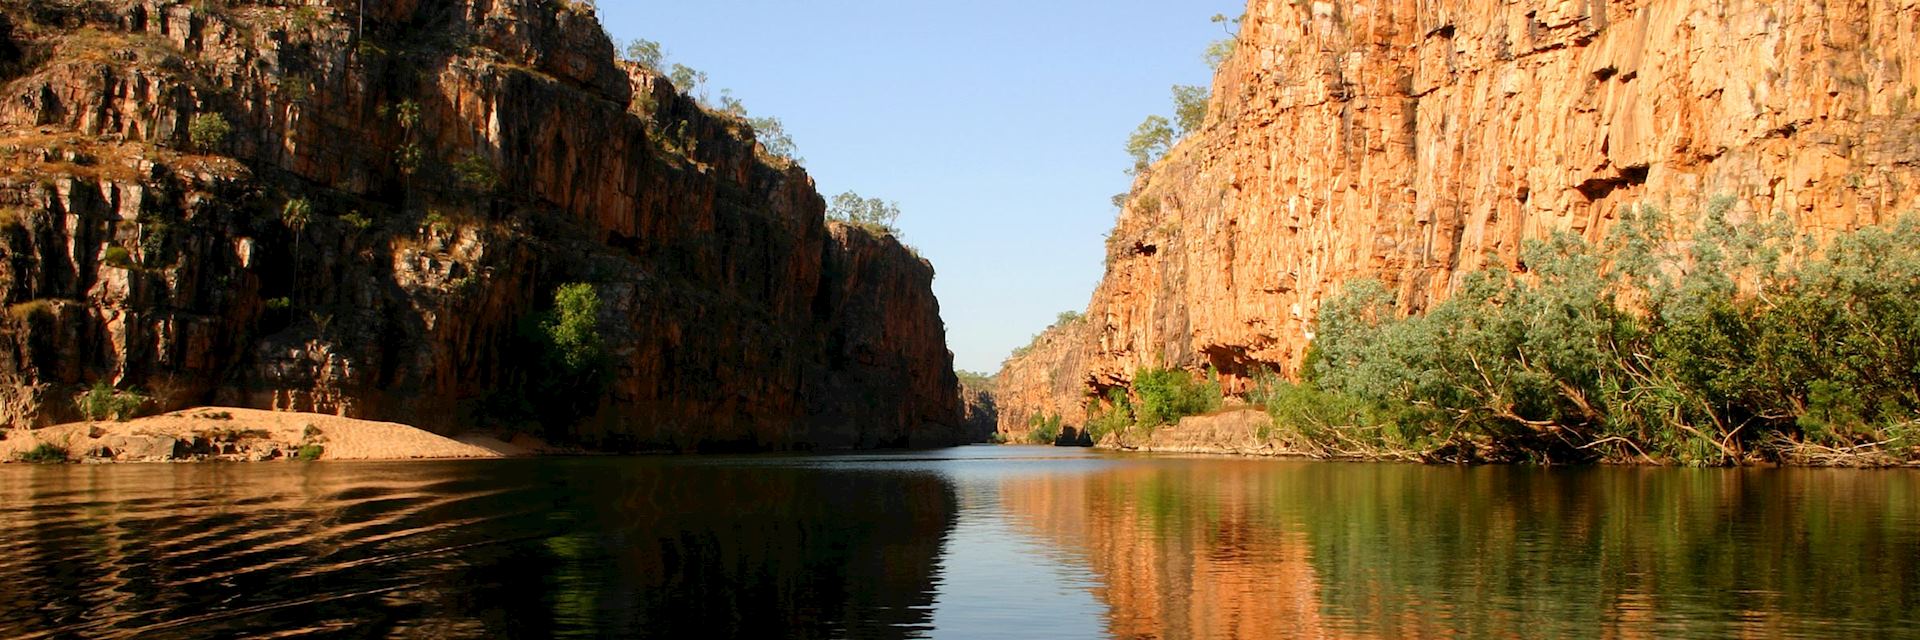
(539, 548)
(1261, 549)
(962, 543)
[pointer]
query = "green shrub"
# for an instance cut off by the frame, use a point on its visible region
(31, 310)
(1702, 371)
(872, 214)
(103, 402)
(1166, 395)
(118, 257)
(1043, 429)
(208, 131)
(476, 173)
(1190, 107)
(646, 53)
(1151, 140)
(310, 453)
(573, 329)
(46, 453)
(1115, 416)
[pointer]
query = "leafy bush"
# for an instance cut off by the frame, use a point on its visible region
(646, 53)
(772, 135)
(573, 328)
(310, 453)
(1043, 429)
(1189, 107)
(103, 402)
(1150, 141)
(46, 453)
(208, 131)
(1654, 350)
(1166, 395)
(118, 257)
(476, 173)
(872, 214)
(31, 310)
(1115, 416)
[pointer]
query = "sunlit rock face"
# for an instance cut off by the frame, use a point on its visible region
(458, 161)
(1417, 141)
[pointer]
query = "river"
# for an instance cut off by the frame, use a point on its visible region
(974, 542)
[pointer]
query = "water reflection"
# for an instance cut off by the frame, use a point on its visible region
(975, 542)
(597, 548)
(1261, 549)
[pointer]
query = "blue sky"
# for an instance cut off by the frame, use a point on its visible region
(998, 125)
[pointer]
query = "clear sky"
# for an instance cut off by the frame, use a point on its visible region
(998, 125)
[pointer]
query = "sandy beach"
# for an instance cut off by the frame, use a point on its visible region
(223, 433)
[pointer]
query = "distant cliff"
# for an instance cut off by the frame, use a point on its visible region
(1417, 141)
(303, 207)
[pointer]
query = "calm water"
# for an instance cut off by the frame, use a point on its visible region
(973, 542)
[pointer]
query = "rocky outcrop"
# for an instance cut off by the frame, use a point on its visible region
(1047, 378)
(1417, 141)
(978, 413)
(395, 204)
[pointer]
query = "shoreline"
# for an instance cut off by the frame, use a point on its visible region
(1235, 433)
(227, 434)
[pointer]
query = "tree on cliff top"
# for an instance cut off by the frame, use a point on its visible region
(872, 214)
(1150, 141)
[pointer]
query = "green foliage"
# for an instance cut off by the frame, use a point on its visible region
(1150, 141)
(297, 214)
(872, 214)
(1115, 415)
(476, 173)
(773, 136)
(646, 53)
(1652, 349)
(732, 106)
(118, 257)
(208, 131)
(310, 453)
(975, 380)
(1219, 51)
(409, 158)
(688, 79)
(356, 222)
(1189, 107)
(1067, 317)
(278, 304)
(31, 310)
(1166, 395)
(573, 327)
(46, 453)
(1043, 429)
(103, 402)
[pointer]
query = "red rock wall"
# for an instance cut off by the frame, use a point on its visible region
(1415, 141)
(733, 313)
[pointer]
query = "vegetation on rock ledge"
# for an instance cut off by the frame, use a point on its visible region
(1705, 352)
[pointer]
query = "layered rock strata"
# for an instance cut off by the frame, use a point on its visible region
(1415, 141)
(396, 197)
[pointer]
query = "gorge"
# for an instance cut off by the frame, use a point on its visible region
(299, 206)
(1415, 143)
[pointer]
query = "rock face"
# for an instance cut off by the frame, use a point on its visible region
(398, 198)
(978, 413)
(1415, 141)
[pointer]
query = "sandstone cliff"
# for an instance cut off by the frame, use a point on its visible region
(446, 166)
(1415, 141)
